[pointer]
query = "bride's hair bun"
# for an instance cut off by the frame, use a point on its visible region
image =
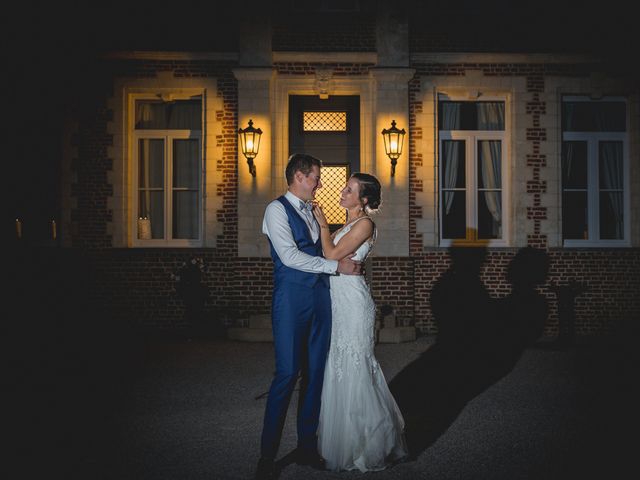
(371, 211)
(371, 190)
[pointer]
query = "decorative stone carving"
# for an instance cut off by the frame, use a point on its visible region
(323, 83)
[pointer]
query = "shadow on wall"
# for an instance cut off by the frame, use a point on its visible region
(480, 339)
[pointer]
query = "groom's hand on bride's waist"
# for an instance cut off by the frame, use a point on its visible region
(348, 266)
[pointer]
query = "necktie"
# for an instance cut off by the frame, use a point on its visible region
(306, 207)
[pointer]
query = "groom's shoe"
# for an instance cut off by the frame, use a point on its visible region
(266, 469)
(310, 458)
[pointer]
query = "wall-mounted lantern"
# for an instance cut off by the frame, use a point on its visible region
(393, 140)
(250, 143)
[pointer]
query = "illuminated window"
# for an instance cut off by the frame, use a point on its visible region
(472, 168)
(167, 150)
(324, 121)
(334, 178)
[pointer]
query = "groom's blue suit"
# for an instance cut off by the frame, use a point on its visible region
(301, 317)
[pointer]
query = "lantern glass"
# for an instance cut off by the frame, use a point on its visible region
(250, 140)
(393, 141)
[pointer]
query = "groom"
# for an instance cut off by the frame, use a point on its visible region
(300, 311)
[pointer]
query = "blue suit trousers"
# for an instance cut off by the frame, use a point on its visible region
(301, 318)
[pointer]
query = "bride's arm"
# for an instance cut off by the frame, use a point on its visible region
(349, 242)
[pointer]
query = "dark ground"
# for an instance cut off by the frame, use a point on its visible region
(102, 407)
(89, 398)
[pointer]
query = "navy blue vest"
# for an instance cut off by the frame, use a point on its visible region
(302, 237)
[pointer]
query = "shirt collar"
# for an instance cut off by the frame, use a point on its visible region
(297, 202)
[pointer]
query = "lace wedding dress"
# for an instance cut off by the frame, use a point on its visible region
(360, 426)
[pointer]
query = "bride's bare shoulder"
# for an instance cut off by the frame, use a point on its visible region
(364, 225)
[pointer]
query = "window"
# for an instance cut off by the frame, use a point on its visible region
(324, 121)
(167, 151)
(594, 171)
(471, 171)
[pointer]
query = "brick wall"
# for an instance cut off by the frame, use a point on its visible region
(611, 277)
(91, 188)
(135, 285)
(415, 161)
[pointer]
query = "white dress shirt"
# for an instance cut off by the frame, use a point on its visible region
(276, 226)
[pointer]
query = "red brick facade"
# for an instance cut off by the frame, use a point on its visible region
(136, 285)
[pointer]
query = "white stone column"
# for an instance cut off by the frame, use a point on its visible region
(254, 193)
(391, 102)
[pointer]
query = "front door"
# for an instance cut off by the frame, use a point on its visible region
(329, 130)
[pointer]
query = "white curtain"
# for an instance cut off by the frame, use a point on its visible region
(451, 163)
(450, 116)
(491, 163)
(150, 115)
(450, 121)
(151, 183)
(490, 116)
(144, 199)
(594, 116)
(185, 115)
(145, 180)
(177, 115)
(611, 179)
(186, 187)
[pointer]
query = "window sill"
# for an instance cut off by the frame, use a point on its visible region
(489, 243)
(167, 243)
(596, 244)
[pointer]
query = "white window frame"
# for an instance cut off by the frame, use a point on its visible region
(168, 136)
(471, 138)
(593, 205)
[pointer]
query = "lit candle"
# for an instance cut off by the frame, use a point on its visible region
(18, 228)
(144, 228)
(54, 233)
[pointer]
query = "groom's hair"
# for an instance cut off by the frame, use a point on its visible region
(300, 162)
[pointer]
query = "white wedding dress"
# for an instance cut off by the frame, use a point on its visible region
(360, 426)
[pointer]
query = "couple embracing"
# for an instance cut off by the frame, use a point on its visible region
(323, 327)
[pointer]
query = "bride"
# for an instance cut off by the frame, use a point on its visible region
(360, 426)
